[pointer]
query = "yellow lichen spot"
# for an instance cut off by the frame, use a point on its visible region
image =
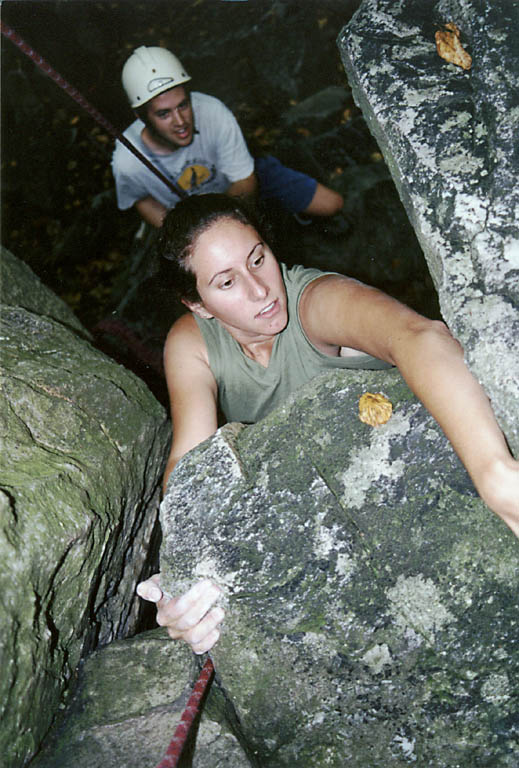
(449, 46)
(374, 409)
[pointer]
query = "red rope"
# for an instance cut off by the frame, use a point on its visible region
(40, 62)
(174, 751)
(143, 353)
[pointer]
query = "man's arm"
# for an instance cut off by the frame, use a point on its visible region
(247, 188)
(339, 311)
(151, 211)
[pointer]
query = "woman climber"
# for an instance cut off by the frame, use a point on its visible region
(255, 331)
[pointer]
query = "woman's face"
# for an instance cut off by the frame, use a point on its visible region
(239, 281)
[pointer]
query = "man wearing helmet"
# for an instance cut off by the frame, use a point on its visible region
(195, 140)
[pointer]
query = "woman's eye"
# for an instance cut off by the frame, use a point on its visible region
(226, 284)
(258, 261)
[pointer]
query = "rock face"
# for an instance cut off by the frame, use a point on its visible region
(371, 596)
(449, 136)
(128, 704)
(21, 289)
(83, 444)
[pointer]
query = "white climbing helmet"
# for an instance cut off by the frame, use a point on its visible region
(150, 71)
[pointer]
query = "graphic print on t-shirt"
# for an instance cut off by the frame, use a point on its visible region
(195, 176)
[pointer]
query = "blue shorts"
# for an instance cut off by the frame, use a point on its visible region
(293, 189)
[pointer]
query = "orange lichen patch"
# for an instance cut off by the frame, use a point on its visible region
(374, 409)
(450, 48)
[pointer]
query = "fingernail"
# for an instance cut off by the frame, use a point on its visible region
(149, 592)
(154, 594)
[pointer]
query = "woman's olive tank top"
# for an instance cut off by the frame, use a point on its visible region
(247, 390)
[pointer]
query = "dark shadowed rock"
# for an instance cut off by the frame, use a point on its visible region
(20, 288)
(82, 450)
(371, 596)
(128, 704)
(449, 137)
(320, 111)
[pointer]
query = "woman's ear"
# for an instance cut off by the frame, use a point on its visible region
(197, 308)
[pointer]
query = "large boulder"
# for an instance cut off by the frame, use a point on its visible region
(20, 288)
(372, 598)
(83, 444)
(126, 708)
(449, 137)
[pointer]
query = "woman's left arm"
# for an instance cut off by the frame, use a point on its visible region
(337, 311)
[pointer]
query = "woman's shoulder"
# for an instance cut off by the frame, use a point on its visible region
(299, 276)
(184, 337)
(186, 323)
(298, 280)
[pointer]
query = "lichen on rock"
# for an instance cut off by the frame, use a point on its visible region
(366, 617)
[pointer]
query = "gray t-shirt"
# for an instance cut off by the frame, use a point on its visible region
(217, 157)
(247, 391)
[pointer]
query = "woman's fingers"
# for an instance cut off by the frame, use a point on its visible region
(150, 589)
(192, 617)
(185, 612)
(205, 633)
(207, 643)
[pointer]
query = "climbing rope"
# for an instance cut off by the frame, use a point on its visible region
(141, 351)
(174, 751)
(40, 62)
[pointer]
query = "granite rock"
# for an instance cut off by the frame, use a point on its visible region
(371, 597)
(83, 446)
(449, 138)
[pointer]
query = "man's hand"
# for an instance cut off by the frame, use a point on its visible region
(247, 188)
(151, 211)
(192, 617)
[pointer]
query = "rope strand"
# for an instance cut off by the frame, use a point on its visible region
(44, 65)
(174, 751)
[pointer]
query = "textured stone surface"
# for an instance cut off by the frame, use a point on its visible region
(82, 446)
(128, 704)
(371, 596)
(20, 289)
(449, 137)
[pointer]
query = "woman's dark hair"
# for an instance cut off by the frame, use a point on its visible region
(185, 223)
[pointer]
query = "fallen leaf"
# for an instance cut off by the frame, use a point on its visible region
(374, 409)
(450, 48)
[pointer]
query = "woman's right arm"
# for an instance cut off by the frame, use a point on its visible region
(193, 616)
(192, 390)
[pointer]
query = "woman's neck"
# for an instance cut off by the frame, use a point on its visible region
(259, 351)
